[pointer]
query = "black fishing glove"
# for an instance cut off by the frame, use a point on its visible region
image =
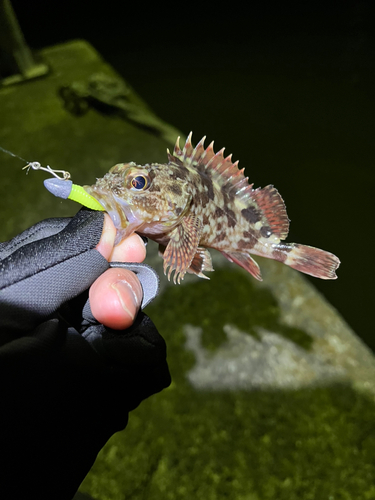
(67, 383)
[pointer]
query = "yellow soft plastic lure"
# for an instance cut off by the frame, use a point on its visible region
(81, 196)
(67, 190)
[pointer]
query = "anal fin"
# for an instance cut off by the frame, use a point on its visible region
(244, 260)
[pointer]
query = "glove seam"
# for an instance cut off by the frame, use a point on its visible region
(22, 238)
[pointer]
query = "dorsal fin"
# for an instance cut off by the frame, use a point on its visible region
(221, 169)
(273, 208)
(227, 174)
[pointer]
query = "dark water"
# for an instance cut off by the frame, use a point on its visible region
(288, 90)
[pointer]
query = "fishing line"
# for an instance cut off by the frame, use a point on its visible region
(13, 154)
(35, 165)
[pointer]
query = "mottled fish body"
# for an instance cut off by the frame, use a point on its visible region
(200, 200)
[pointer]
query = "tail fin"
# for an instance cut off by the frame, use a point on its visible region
(308, 260)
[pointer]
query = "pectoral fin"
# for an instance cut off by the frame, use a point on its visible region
(182, 247)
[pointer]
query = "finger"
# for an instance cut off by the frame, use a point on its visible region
(115, 298)
(132, 249)
(107, 240)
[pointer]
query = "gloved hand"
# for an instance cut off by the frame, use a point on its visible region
(67, 382)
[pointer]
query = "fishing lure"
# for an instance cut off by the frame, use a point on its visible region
(64, 188)
(61, 185)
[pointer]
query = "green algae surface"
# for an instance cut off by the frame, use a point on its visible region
(307, 444)
(315, 443)
(236, 302)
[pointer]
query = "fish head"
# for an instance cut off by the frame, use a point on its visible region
(148, 198)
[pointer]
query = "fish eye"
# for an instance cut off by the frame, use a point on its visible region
(139, 183)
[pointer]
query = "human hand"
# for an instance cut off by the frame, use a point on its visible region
(68, 378)
(116, 296)
(57, 259)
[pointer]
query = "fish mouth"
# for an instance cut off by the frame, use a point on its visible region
(127, 219)
(120, 211)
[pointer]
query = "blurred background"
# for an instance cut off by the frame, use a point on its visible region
(287, 88)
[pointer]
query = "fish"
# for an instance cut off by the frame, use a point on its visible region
(201, 200)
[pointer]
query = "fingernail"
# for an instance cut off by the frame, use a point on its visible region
(123, 288)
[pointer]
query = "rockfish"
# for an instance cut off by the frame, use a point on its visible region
(200, 200)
